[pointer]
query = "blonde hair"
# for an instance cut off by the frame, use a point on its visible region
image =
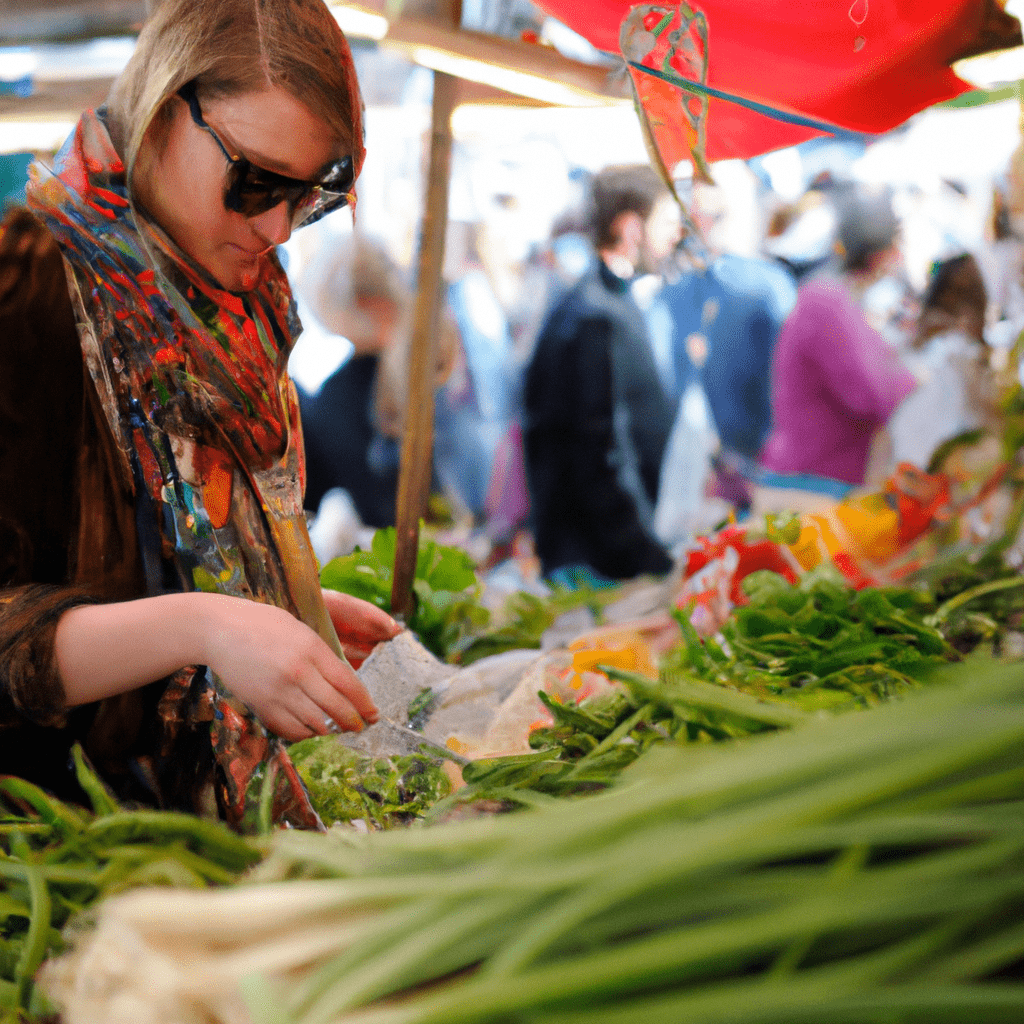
(234, 46)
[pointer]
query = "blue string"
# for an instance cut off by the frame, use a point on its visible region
(760, 108)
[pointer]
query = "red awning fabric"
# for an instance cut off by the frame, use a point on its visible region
(864, 66)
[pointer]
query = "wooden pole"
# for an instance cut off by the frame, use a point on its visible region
(418, 437)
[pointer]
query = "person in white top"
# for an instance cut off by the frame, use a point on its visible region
(950, 358)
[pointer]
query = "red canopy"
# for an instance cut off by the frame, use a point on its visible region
(865, 66)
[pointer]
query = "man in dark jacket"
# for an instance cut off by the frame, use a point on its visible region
(596, 416)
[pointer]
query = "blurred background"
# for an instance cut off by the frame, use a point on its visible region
(539, 110)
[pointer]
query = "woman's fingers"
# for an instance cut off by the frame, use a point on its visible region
(340, 679)
(333, 710)
(315, 710)
(359, 622)
(289, 725)
(284, 671)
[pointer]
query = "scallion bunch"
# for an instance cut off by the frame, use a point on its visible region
(863, 869)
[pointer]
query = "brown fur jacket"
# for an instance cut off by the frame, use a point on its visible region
(67, 530)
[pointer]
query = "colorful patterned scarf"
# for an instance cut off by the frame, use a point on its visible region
(194, 386)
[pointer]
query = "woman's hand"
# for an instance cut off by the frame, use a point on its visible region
(290, 678)
(359, 624)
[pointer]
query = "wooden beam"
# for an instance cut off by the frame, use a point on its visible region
(417, 460)
(593, 83)
(37, 21)
(56, 100)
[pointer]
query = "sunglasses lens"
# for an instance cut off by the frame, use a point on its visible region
(333, 192)
(316, 205)
(252, 191)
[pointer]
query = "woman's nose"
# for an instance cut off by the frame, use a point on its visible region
(275, 224)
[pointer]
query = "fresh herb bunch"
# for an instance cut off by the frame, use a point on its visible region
(585, 749)
(57, 861)
(979, 596)
(346, 785)
(817, 642)
(588, 745)
(793, 651)
(445, 586)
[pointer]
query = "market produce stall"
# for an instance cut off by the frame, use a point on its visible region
(784, 785)
(762, 790)
(857, 867)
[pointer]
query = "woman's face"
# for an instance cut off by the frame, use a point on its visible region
(181, 173)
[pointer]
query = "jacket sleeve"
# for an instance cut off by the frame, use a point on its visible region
(30, 684)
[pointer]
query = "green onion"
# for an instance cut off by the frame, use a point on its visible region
(859, 868)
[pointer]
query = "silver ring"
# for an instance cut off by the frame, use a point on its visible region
(331, 724)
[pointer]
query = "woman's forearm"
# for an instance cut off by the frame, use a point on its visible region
(263, 655)
(107, 649)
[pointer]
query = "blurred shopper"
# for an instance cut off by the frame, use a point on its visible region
(476, 405)
(552, 268)
(726, 312)
(835, 380)
(597, 415)
(950, 359)
(1002, 261)
(352, 423)
(359, 293)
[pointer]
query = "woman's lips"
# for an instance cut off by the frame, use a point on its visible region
(247, 265)
(250, 254)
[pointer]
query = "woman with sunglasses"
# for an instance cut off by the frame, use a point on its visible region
(172, 621)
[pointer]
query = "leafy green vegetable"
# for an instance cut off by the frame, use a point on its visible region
(789, 640)
(445, 587)
(346, 785)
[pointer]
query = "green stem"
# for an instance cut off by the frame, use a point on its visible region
(979, 959)
(211, 838)
(54, 873)
(686, 955)
(847, 863)
(38, 935)
(421, 954)
(992, 586)
(100, 797)
(621, 730)
(810, 1001)
(707, 843)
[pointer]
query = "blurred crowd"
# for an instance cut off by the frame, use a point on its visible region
(666, 358)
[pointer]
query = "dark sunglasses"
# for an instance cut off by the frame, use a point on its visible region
(252, 190)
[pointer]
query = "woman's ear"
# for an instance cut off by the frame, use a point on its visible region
(628, 229)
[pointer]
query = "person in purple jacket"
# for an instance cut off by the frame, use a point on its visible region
(835, 380)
